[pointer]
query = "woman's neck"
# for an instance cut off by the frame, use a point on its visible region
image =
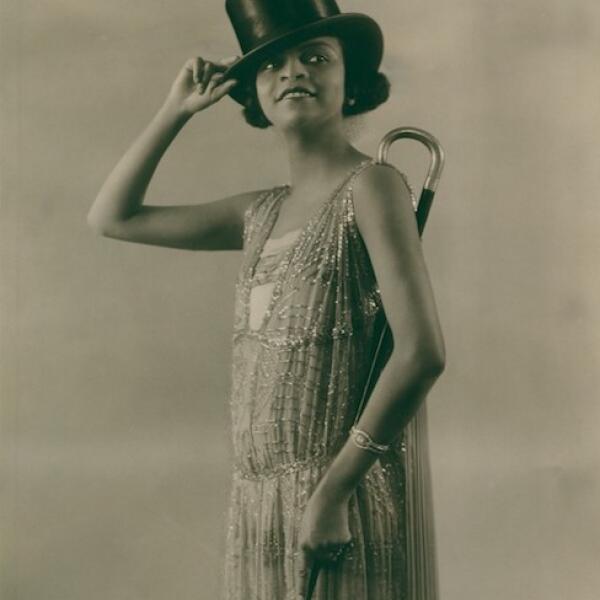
(315, 156)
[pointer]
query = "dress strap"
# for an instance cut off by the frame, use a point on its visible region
(250, 220)
(356, 171)
(371, 162)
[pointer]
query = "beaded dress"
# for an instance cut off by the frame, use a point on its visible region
(303, 340)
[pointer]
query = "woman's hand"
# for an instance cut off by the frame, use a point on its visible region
(324, 534)
(200, 84)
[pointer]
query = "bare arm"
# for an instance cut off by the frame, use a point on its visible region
(387, 223)
(118, 211)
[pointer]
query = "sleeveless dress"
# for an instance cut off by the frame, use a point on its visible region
(303, 340)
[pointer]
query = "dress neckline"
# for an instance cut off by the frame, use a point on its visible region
(317, 209)
(289, 251)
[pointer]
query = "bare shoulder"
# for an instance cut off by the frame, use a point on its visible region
(383, 202)
(236, 206)
(240, 203)
(222, 221)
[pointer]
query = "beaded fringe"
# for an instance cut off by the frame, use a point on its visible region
(423, 581)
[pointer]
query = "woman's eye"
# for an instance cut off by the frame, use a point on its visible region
(269, 65)
(317, 58)
(276, 63)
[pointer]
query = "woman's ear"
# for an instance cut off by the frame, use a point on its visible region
(351, 97)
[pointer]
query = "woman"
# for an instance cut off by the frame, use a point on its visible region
(323, 257)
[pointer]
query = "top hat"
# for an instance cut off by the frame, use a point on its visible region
(266, 26)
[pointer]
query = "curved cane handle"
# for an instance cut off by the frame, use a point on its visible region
(434, 173)
(433, 145)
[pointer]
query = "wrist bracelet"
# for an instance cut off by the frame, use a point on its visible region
(364, 441)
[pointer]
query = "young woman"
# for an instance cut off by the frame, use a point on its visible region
(323, 256)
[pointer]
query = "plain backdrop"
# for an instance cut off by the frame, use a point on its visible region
(115, 357)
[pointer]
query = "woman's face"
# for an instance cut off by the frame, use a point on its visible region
(304, 84)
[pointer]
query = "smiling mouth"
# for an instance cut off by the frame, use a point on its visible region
(296, 92)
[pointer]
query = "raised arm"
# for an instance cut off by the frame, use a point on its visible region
(118, 210)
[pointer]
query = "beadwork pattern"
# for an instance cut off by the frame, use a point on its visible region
(297, 381)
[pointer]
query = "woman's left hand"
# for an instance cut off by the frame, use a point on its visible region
(324, 534)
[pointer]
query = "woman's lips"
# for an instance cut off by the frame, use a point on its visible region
(297, 96)
(296, 93)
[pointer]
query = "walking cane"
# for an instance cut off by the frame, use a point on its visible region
(385, 343)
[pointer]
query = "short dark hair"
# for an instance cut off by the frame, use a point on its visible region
(367, 88)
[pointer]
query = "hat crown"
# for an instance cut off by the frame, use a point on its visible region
(256, 22)
(266, 26)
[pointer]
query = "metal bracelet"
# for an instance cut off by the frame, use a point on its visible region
(364, 441)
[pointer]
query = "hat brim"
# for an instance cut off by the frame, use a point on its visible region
(365, 49)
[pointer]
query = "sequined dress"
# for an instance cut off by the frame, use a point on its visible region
(303, 340)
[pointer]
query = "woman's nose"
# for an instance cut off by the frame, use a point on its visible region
(293, 68)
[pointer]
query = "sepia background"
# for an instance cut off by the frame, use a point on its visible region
(115, 357)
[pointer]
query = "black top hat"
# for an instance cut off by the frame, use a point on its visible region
(266, 26)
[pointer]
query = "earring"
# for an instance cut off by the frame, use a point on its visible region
(351, 101)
